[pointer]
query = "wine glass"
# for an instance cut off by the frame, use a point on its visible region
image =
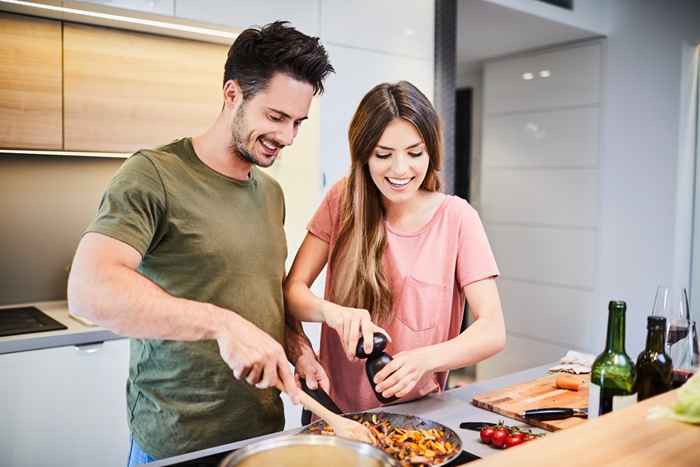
(672, 304)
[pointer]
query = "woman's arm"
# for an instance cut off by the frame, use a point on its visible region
(485, 337)
(302, 304)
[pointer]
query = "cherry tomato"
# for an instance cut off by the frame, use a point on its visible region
(498, 438)
(486, 433)
(529, 437)
(514, 440)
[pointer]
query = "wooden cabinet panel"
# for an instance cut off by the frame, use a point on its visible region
(30, 83)
(125, 91)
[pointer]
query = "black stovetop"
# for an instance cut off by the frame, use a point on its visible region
(25, 320)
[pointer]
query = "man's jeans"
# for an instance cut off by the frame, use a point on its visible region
(137, 456)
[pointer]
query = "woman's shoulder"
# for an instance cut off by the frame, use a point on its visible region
(457, 206)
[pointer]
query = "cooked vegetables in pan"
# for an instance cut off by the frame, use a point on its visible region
(411, 447)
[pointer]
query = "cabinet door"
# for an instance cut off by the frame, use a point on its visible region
(30, 83)
(65, 406)
(125, 91)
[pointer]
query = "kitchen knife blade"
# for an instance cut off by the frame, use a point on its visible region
(555, 413)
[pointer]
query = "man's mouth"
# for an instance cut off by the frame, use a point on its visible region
(398, 182)
(270, 148)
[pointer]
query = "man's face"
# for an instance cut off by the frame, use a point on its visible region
(270, 120)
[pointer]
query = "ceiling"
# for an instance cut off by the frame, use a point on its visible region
(486, 30)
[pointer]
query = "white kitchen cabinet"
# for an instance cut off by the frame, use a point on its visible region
(357, 71)
(401, 27)
(540, 189)
(567, 138)
(543, 81)
(240, 14)
(65, 406)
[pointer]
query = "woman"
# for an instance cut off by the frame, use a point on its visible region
(402, 258)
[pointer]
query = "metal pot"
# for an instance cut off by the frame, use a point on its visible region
(309, 451)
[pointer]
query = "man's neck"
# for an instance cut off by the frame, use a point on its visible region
(213, 148)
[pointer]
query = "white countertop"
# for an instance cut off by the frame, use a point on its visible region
(76, 334)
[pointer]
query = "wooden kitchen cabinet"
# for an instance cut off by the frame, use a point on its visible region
(30, 83)
(65, 406)
(124, 91)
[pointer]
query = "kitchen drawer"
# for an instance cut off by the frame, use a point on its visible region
(553, 197)
(545, 254)
(559, 138)
(538, 311)
(574, 80)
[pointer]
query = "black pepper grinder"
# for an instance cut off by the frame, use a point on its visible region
(377, 360)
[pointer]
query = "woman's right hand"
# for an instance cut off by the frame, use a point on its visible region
(351, 324)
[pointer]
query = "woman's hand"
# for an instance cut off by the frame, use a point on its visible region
(351, 324)
(400, 376)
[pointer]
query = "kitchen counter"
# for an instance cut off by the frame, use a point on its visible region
(624, 438)
(449, 408)
(77, 333)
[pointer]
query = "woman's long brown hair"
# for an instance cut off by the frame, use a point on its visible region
(359, 278)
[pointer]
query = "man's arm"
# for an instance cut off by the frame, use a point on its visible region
(105, 288)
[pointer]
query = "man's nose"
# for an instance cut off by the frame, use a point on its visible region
(287, 134)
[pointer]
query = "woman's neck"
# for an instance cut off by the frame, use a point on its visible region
(413, 213)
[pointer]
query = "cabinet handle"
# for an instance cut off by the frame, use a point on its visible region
(91, 347)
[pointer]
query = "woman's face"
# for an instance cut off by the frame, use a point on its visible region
(399, 162)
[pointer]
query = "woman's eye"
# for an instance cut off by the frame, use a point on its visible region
(275, 118)
(382, 155)
(415, 154)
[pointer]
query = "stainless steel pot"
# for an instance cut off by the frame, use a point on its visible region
(309, 451)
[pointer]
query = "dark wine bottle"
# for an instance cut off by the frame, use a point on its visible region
(654, 367)
(612, 374)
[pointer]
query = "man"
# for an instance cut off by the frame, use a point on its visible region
(186, 256)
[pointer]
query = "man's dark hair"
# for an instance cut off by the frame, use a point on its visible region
(257, 54)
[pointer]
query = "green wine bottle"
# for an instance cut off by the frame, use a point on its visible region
(613, 373)
(654, 367)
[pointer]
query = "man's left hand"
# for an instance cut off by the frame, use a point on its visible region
(308, 367)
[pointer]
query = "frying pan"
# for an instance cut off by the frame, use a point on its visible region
(398, 420)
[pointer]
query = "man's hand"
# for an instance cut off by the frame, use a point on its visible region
(351, 324)
(254, 355)
(308, 367)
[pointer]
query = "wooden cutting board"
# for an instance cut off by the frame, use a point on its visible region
(540, 393)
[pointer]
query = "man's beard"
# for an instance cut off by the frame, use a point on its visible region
(238, 133)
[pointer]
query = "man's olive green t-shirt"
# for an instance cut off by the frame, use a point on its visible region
(210, 238)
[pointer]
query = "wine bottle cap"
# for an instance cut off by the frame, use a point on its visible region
(617, 305)
(656, 322)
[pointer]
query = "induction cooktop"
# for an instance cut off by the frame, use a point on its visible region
(25, 320)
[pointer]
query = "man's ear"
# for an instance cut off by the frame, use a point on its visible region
(232, 93)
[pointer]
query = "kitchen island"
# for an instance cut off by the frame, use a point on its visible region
(624, 438)
(449, 408)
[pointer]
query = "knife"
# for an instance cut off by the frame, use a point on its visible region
(475, 426)
(555, 413)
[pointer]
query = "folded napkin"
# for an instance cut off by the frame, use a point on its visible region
(574, 362)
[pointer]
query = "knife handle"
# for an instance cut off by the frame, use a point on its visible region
(555, 413)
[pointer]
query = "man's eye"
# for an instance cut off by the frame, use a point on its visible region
(382, 155)
(275, 118)
(415, 154)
